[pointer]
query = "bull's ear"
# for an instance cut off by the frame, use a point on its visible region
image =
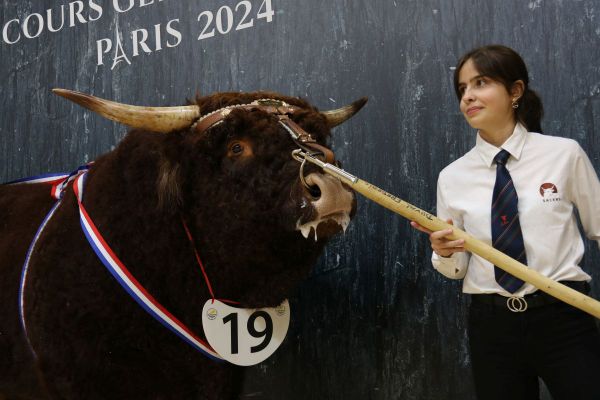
(168, 186)
(340, 115)
(156, 119)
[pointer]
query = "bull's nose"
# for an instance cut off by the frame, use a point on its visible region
(331, 197)
(330, 211)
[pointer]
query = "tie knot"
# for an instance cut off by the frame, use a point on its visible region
(502, 157)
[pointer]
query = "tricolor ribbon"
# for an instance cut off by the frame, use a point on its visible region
(58, 182)
(44, 178)
(118, 270)
(25, 271)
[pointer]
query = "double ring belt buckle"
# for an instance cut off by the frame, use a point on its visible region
(516, 304)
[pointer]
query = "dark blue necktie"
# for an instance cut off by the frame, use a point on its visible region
(506, 229)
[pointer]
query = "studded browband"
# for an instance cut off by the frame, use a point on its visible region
(282, 111)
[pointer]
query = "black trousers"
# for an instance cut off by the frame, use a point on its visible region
(555, 342)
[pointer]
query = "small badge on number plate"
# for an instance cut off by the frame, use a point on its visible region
(245, 336)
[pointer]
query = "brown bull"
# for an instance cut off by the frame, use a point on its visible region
(257, 228)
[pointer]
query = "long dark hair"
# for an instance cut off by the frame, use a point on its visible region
(506, 66)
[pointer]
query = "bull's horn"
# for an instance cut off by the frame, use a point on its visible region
(336, 117)
(157, 119)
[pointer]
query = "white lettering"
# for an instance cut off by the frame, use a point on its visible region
(173, 32)
(101, 50)
(40, 25)
(96, 8)
(49, 18)
(142, 42)
(5, 32)
(119, 57)
(83, 11)
(119, 9)
(73, 13)
(157, 37)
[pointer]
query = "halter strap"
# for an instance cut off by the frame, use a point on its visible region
(282, 111)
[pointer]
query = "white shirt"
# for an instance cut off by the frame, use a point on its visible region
(551, 175)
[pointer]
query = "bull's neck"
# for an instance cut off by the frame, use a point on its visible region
(121, 198)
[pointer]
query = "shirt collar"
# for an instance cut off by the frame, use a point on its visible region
(514, 145)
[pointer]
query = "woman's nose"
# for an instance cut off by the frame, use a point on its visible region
(467, 96)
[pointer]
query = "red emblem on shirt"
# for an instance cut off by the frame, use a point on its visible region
(504, 219)
(548, 190)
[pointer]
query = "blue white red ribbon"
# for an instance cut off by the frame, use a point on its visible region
(25, 270)
(44, 178)
(130, 284)
(53, 179)
(58, 182)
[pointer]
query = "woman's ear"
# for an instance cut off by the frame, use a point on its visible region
(517, 89)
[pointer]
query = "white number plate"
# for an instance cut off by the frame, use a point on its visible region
(245, 336)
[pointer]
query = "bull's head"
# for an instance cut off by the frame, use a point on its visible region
(237, 184)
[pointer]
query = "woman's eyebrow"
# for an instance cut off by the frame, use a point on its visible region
(472, 79)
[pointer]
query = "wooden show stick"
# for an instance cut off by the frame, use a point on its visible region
(431, 222)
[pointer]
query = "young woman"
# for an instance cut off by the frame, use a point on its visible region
(517, 190)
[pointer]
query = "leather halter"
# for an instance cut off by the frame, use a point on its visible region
(279, 109)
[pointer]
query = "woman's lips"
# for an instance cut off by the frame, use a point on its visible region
(473, 110)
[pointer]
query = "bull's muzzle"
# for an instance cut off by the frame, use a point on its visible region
(332, 204)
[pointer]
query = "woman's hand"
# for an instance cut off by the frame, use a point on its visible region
(442, 246)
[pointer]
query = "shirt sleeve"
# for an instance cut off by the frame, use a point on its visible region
(455, 266)
(586, 194)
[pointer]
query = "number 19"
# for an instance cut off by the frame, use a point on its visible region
(266, 333)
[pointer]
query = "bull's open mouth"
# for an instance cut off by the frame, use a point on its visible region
(325, 226)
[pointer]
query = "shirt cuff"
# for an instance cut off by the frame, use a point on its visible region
(453, 267)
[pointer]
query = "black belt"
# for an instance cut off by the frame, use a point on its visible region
(533, 300)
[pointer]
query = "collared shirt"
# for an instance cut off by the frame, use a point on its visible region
(552, 176)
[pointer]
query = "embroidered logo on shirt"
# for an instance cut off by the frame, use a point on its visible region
(549, 192)
(504, 220)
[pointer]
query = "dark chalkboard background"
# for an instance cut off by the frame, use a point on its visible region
(374, 321)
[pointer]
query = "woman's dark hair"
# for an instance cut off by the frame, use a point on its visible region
(506, 66)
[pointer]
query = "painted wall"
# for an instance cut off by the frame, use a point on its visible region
(374, 321)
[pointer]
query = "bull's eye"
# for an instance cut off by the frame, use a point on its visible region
(237, 148)
(240, 148)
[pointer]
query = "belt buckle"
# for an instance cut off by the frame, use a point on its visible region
(516, 304)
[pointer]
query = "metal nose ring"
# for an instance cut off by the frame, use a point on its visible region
(296, 155)
(306, 185)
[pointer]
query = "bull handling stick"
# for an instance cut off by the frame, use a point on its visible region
(431, 222)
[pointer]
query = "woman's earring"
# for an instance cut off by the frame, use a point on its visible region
(515, 105)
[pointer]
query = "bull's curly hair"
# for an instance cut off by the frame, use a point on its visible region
(241, 208)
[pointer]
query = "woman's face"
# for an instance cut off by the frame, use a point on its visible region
(485, 103)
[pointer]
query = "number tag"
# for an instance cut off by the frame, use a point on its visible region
(245, 336)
